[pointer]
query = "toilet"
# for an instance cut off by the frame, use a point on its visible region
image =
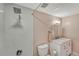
(43, 50)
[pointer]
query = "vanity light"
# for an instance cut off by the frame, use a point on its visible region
(56, 22)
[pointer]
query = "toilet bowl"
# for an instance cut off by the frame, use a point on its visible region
(43, 50)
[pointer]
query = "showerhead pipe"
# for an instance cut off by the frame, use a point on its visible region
(19, 19)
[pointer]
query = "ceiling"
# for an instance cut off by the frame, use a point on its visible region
(29, 5)
(56, 9)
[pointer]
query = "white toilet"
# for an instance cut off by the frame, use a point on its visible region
(43, 50)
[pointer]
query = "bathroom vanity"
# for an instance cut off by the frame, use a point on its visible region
(61, 47)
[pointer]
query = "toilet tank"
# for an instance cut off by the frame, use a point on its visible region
(42, 50)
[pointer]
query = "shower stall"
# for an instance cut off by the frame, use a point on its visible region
(16, 30)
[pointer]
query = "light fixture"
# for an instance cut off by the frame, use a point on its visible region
(56, 22)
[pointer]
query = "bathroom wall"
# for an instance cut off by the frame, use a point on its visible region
(1, 28)
(42, 22)
(71, 30)
(16, 38)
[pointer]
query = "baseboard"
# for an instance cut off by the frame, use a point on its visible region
(75, 54)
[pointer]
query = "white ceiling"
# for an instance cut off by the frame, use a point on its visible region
(29, 5)
(56, 9)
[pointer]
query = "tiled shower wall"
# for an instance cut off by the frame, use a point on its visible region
(1, 29)
(12, 39)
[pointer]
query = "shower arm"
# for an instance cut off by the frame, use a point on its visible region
(19, 18)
